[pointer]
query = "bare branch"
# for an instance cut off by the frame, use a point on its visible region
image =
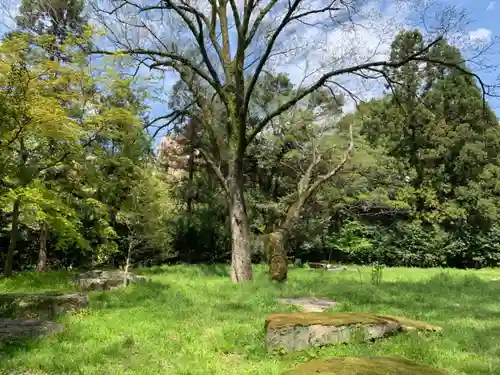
(321, 81)
(306, 189)
(171, 118)
(329, 8)
(218, 172)
(198, 33)
(163, 54)
(335, 170)
(269, 48)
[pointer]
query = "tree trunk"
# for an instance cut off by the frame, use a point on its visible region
(42, 250)
(241, 259)
(275, 244)
(13, 237)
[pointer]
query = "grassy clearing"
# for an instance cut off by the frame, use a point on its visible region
(193, 320)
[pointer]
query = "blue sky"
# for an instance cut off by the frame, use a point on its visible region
(484, 14)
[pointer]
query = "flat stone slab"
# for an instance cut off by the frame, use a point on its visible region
(298, 331)
(326, 266)
(40, 305)
(106, 280)
(309, 304)
(364, 366)
(13, 330)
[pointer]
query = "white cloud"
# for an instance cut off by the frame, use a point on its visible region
(491, 5)
(480, 36)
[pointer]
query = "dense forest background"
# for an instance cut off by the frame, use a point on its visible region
(411, 178)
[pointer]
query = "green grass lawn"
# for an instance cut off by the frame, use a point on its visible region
(193, 320)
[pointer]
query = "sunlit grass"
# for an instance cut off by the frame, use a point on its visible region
(192, 320)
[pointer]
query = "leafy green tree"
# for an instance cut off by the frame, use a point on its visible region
(445, 137)
(304, 149)
(58, 19)
(50, 23)
(49, 131)
(146, 214)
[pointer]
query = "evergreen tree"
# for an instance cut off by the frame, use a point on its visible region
(436, 123)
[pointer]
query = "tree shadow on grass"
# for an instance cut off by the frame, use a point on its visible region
(218, 270)
(448, 297)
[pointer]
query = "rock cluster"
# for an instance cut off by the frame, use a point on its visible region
(30, 315)
(302, 330)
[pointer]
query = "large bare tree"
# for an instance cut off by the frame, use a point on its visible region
(221, 49)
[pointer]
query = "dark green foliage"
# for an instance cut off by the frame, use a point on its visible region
(433, 200)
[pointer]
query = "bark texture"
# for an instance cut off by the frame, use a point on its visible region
(241, 260)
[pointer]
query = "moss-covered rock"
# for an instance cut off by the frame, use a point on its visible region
(321, 318)
(364, 366)
(412, 325)
(40, 305)
(297, 331)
